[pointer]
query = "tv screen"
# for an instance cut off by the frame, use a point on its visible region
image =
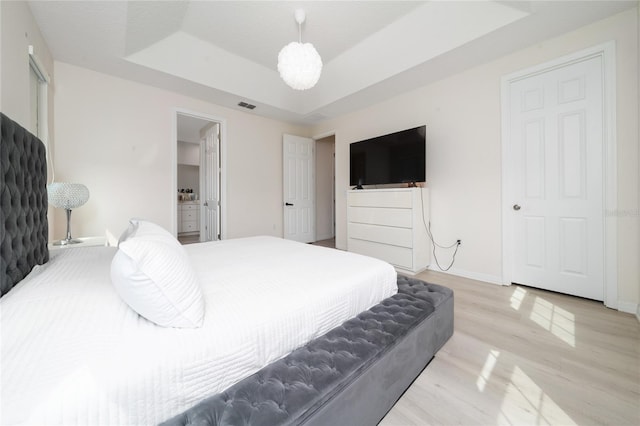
(394, 158)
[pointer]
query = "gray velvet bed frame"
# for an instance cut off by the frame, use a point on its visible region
(350, 376)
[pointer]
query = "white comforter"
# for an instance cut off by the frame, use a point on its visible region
(73, 353)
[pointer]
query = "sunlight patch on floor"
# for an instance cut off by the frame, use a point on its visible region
(523, 398)
(485, 374)
(517, 297)
(560, 322)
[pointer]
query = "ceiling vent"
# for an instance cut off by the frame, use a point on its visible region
(246, 105)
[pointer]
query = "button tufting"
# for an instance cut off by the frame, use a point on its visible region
(26, 210)
(335, 355)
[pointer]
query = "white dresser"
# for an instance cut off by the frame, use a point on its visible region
(188, 217)
(390, 224)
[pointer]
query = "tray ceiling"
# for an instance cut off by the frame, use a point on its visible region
(226, 51)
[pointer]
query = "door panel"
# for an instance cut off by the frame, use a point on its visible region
(534, 159)
(534, 242)
(573, 246)
(572, 151)
(209, 224)
(556, 122)
(298, 188)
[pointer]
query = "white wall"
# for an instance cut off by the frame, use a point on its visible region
(188, 153)
(462, 115)
(117, 136)
(189, 178)
(188, 166)
(18, 30)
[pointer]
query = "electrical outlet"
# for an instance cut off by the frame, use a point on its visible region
(459, 242)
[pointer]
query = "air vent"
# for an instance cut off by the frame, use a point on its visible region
(246, 105)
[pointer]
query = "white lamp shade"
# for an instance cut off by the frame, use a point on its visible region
(67, 195)
(299, 65)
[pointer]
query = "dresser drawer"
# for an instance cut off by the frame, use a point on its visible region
(381, 216)
(382, 234)
(190, 226)
(401, 257)
(364, 198)
(189, 207)
(189, 215)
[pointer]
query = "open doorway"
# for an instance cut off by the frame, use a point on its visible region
(198, 180)
(325, 191)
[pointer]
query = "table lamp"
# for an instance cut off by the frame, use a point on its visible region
(67, 196)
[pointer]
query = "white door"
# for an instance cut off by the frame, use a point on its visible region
(210, 186)
(299, 188)
(556, 155)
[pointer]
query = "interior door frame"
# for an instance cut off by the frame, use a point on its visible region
(333, 198)
(607, 53)
(223, 167)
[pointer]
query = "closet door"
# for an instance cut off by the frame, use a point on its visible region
(556, 121)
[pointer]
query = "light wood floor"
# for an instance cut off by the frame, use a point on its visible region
(188, 239)
(521, 356)
(331, 243)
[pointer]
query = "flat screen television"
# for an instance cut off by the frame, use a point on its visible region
(394, 158)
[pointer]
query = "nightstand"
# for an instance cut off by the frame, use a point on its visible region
(86, 242)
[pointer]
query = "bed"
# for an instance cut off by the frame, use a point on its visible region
(283, 333)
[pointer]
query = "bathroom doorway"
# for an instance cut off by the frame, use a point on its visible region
(198, 178)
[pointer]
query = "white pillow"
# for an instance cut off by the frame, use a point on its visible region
(152, 273)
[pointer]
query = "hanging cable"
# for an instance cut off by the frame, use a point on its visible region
(433, 241)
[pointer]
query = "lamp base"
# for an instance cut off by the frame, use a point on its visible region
(66, 242)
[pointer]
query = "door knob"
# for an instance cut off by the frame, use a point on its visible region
(516, 207)
(288, 204)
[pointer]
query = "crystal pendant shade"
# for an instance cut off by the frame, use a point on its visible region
(67, 195)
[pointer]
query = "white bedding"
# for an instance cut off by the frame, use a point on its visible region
(74, 353)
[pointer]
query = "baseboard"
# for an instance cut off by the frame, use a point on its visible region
(628, 307)
(492, 279)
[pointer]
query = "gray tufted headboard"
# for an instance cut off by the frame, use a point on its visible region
(23, 204)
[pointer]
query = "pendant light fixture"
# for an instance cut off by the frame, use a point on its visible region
(299, 64)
